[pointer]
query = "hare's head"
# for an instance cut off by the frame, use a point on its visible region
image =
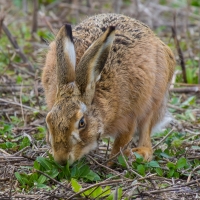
(74, 125)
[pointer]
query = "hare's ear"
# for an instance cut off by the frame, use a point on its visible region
(92, 62)
(66, 57)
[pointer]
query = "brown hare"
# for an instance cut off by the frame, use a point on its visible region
(107, 77)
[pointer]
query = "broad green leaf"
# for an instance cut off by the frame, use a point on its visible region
(42, 179)
(170, 173)
(159, 171)
(190, 101)
(153, 164)
(75, 185)
(181, 163)
(141, 169)
(138, 157)
(25, 142)
(92, 176)
(33, 177)
(66, 171)
(121, 161)
(43, 161)
(106, 191)
(171, 165)
(36, 165)
(176, 175)
(96, 192)
(19, 178)
(53, 172)
(84, 171)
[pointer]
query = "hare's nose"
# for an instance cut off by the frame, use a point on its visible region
(61, 159)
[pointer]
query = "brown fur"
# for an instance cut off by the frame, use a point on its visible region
(130, 95)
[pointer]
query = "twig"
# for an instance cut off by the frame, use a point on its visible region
(107, 148)
(35, 12)
(17, 48)
(18, 104)
(1, 150)
(106, 167)
(180, 53)
(115, 156)
(175, 107)
(95, 185)
(52, 179)
(163, 139)
(189, 177)
(47, 22)
(127, 165)
(186, 89)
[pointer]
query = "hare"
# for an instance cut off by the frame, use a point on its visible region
(107, 77)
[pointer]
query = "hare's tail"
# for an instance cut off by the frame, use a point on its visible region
(163, 123)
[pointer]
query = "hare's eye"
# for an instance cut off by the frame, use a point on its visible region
(81, 123)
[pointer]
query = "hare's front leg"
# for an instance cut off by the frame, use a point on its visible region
(144, 145)
(121, 141)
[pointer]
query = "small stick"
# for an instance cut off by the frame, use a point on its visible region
(108, 168)
(175, 107)
(17, 48)
(185, 89)
(18, 104)
(35, 12)
(107, 148)
(163, 139)
(113, 157)
(52, 179)
(95, 185)
(189, 177)
(180, 53)
(127, 165)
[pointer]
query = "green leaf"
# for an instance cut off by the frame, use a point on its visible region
(181, 163)
(141, 170)
(171, 165)
(44, 162)
(159, 171)
(36, 165)
(25, 142)
(153, 164)
(170, 173)
(96, 192)
(75, 185)
(84, 171)
(190, 101)
(19, 178)
(42, 179)
(66, 171)
(32, 178)
(121, 161)
(92, 176)
(138, 157)
(176, 175)
(53, 172)
(106, 191)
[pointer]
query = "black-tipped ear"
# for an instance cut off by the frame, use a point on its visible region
(66, 57)
(92, 63)
(68, 29)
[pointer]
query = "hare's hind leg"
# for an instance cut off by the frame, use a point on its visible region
(144, 145)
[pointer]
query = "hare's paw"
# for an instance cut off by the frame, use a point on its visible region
(145, 152)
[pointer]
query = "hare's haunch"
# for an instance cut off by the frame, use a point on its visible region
(107, 77)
